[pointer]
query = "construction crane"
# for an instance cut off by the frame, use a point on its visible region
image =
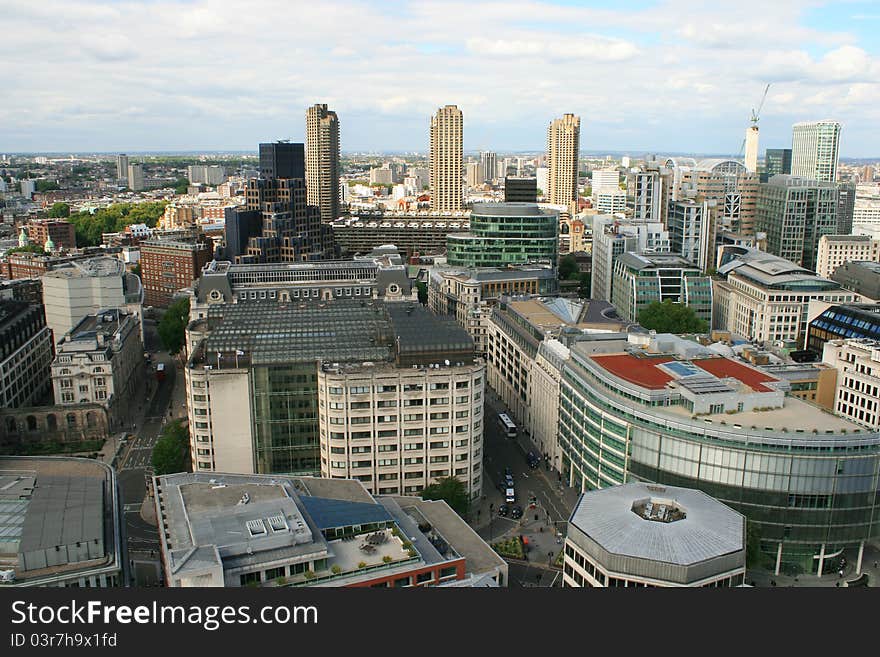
(753, 131)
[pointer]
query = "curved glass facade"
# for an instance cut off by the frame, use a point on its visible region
(505, 234)
(802, 490)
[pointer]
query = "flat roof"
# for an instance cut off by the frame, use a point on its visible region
(709, 529)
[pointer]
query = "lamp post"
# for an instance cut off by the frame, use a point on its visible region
(491, 516)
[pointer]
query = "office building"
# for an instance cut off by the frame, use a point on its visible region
(136, 177)
(244, 355)
(646, 536)
(281, 159)
(25, 354)
(776, 161)
(251, 530)
(677, 414)
(473, 175)
(59, 232)
(815, 147)
(520, 190)
(76, 289)
(528, 339)
(206, 174)
(690, 224)
(122, 166)
(29, 290)
(857, 394)
(835, 250)
(169, 265)
(765, 298)
(866, 210)
(504, 234)
(648, 189)
(312, 283)
(610, 202)
(418, 233)
(62, 523)
(828, 321)
(795, 213)
(642, 279)
(846, 201)
(322, 161)
(613, 237)
(605, 180)
(380, 175)
(541, 177)
(563, 147)
(469, 294)
(863, 278)
(27, 187)
(100, 361)
(447, 193)
(489, 165)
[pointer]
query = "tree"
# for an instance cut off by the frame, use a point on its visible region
(452, 491)
(30, 248)
(181, 185)
(59, 211)
(585, 286)
(45, 185)
(171, 453)
(423, 292)
(668, 317)
(753, 544)
(568, 267)
(172, 326)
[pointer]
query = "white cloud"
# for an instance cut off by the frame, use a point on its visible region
(180, 72)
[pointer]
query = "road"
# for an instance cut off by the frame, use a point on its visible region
(539, 525)
(136, 465)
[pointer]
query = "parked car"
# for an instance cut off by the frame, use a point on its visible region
(503, 510)
(516, 513)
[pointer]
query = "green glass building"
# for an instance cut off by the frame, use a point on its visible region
(504, 234)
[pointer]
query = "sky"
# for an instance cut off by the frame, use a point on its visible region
(650, 76)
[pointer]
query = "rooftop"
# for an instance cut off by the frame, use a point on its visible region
(703, 529)
(93, 267)
(640, 261)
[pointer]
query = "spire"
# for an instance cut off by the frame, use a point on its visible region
(23, 238)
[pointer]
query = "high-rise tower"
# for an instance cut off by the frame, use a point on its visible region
(322, 161)
(563, 142)
(447, 192)
(815, 146)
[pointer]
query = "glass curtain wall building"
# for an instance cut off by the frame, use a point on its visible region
(504, 234)
(806, 478)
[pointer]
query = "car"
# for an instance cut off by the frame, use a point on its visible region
(508, 472)
(516, 513)
(503, 510)
(510, 495)
(508, 479)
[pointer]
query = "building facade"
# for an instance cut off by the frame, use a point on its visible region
(322, 161)
(25, 354)
(60, 232)
(857, 393)
(795, 213)
(674, 414)
(504, 234)
(815, 147)
(835, 250)
(447, 168)
(168, 266)
(563, 148)
(640, 280)
(645, 536)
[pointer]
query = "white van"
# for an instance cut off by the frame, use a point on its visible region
(510, 495)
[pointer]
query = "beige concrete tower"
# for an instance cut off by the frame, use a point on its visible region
(447, 191)
(563, 142)
(322, 161)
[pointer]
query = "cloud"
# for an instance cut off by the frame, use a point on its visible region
(673, 74)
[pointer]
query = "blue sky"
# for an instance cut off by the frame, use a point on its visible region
(661, 76)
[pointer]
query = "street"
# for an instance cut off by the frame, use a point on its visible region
(538, 525)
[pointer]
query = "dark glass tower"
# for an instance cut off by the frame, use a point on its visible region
(282, 159)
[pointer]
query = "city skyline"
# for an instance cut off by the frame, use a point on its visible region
(650, 82)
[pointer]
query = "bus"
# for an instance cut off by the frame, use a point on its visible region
(507, 425)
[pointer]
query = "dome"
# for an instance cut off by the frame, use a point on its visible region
(49, 246)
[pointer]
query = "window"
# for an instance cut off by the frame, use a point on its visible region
(413, 417)
(66, 383)
(358, 390)
(414, 432)
(439, 401)
(461, 385)
(335, 391)
(436, 431)
(439, 386)
(387, 462)
(413, 446)
(440, 444)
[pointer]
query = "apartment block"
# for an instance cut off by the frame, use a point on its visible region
(25, 354)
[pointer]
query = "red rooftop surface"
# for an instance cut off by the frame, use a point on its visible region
(638, 370)
(725, 367)
(643, 370)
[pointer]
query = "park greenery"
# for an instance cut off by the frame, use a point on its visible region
(59, 211)
(171, 453)
(511, 548)
(569, 271)
(452, 491)
(113, 219)
(669, 317)
(172, 326)
(29, 248)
